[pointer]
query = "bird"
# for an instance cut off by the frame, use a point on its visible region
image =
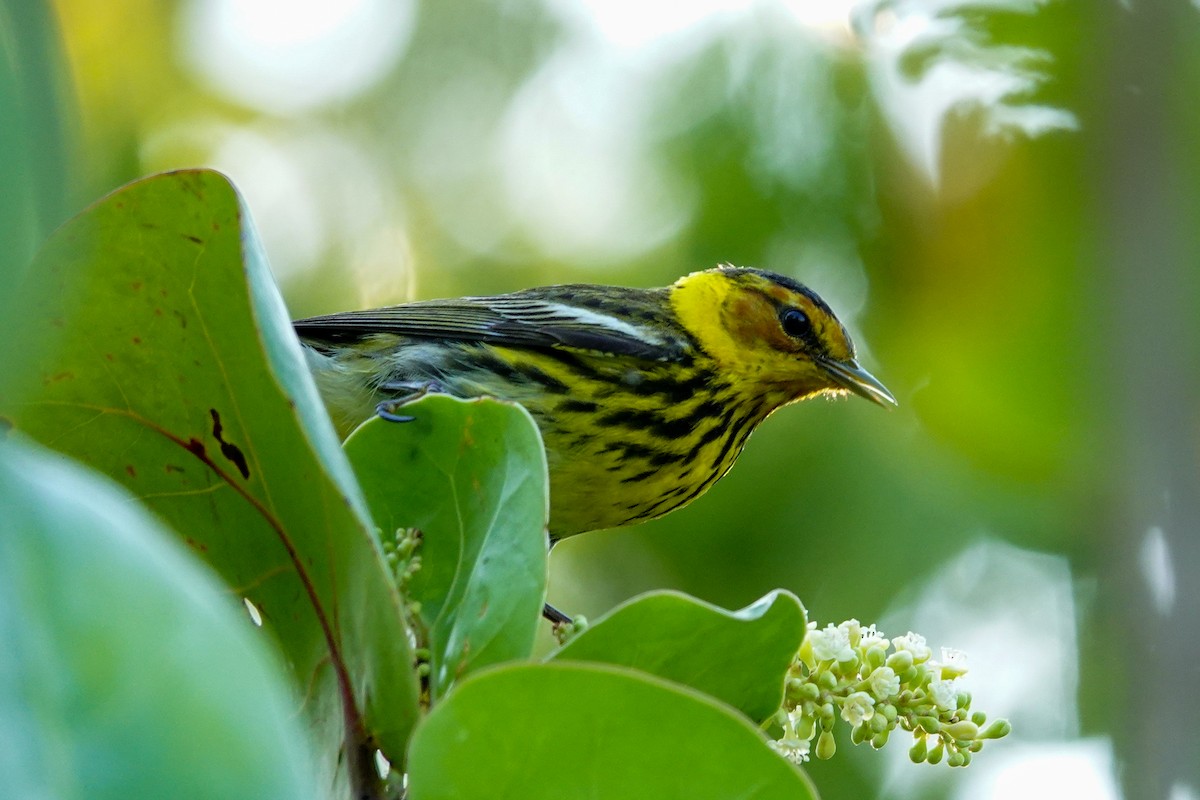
(644, 397)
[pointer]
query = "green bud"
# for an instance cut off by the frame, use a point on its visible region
(794, 690)
(966, 757)
(827, 712)
(918, 751)
(423, 669)
(876, 657)
(809, 691)
(826, 746)
(900, 661)
(929, 724)
(827, 681)
(956, 759)
(964, 700)
(880, 739)
(963, 730)
(888, 711)
(860, 734)
(935, 755)
(878, 723)
(908, 676)
(997, 730)
(975, 746)
(804, 727)
(979, 718)
(848, 667)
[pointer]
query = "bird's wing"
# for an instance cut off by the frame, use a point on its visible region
(544, 318)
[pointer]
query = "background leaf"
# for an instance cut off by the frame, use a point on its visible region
(739, 657)
(176, 373)
(35, 159)
(585, 730)
(126, 670)
(471, 475)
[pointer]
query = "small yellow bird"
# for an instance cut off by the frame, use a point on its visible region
(644, 397)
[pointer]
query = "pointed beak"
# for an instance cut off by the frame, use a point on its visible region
(849, 375)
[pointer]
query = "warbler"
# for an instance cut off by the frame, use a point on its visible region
(644, 397)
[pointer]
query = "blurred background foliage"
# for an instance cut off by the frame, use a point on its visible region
(999, 197)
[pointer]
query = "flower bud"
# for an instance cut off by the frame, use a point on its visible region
(935, 755)
(880, 739)
(929, 724)
(826, 746)
(963, 730)
(979, 718)
(997, 730)
(900, 661)
(875, 657)
(918, 751)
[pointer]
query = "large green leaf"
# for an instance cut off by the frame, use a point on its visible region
(176, 372)
(126, 670)
(471, 476)
(596, 731)
(740, 657)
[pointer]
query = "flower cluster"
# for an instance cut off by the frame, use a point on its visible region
(401, 551)
(876, 685)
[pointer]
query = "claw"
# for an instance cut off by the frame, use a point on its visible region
(409, 391)
(385, 408)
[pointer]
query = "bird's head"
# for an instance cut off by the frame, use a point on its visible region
(772, 332)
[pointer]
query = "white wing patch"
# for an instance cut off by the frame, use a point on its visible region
(591, 318)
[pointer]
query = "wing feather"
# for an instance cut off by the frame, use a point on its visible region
(632, 323)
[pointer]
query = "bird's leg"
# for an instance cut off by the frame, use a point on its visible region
(551, 613)
(555, 616)
(407, 392)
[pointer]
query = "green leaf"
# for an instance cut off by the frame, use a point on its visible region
(471, 476)
(587, 730)
(35, 160)
(126, 669)
(740, 657)
(176, 372)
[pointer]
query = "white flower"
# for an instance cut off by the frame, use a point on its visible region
(872, 637)
(793, 749)
(945, 694)
(791, 745)
(884, 682)
(853, 629)
(831, 644)
(858, 708)
(954, 663)
(914, 643)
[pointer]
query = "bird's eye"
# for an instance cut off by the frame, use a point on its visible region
(796, 323)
